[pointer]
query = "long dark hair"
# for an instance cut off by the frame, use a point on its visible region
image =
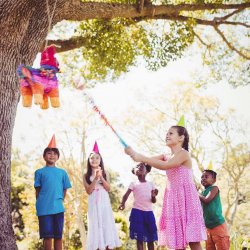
(89, 169)
(183, 131)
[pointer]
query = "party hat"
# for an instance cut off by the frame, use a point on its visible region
(52, 143)
(210, 166)
(181, 122)
(95, 148)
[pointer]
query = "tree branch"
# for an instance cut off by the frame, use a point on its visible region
(201, 41)
(213, 22)
(76, 10)
(66, 45)
(229, 44)
(77, 42)
(229, 15)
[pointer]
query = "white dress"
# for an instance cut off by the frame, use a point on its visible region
(102, 231)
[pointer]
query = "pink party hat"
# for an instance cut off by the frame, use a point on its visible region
(95, 148)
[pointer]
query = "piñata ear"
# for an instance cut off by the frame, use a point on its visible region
(48, 57)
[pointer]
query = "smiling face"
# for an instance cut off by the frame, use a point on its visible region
(140, 170)
(50, 157)
(173, 138)
(207, 179)
(94, 160)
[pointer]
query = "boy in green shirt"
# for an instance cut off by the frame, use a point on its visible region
(217, 233)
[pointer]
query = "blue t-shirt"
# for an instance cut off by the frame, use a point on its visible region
(52, 182)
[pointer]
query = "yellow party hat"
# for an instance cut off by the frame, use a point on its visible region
(210, 166)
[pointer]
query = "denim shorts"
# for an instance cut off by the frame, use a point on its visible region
(51, 226)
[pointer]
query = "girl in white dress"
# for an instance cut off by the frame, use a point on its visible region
(102, 232)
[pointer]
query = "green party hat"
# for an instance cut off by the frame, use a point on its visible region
(181, 122)
(210, 166)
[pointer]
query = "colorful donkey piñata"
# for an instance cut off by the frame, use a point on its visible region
(41, 83)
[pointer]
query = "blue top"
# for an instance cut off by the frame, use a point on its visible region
(52, 182)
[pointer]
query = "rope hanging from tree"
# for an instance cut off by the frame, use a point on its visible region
(50, 17)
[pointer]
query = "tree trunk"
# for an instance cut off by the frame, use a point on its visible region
(22, 30)
(9, 96)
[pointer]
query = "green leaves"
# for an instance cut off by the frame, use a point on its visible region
(170, 45)
(112, 47)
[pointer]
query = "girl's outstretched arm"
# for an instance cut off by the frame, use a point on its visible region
(158, 157)
(124, 199)
(177, 160)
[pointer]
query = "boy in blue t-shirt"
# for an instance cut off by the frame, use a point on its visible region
(51, 184)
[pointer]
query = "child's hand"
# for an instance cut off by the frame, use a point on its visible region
(98, 173)
(129, 151)
(122, 206)
(137, 157)
(154, 193)
(198, 187)
(133, 154)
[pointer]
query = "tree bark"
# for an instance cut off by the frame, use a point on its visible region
(23, 28)
(9, 96)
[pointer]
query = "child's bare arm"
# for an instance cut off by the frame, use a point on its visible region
(37, 191)
(105, 183)
(64, 193)
(179, 158)
(211, 195)
(124, 199)
(89, 187)
(158, 157)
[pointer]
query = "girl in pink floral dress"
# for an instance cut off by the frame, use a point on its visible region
(181, 222)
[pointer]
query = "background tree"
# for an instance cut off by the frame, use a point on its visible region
(19, 171)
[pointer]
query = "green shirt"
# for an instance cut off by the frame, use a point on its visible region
(212, 211)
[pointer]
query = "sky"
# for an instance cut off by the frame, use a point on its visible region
(34, 127)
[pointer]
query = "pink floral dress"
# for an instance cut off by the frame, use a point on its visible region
(181, 220)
